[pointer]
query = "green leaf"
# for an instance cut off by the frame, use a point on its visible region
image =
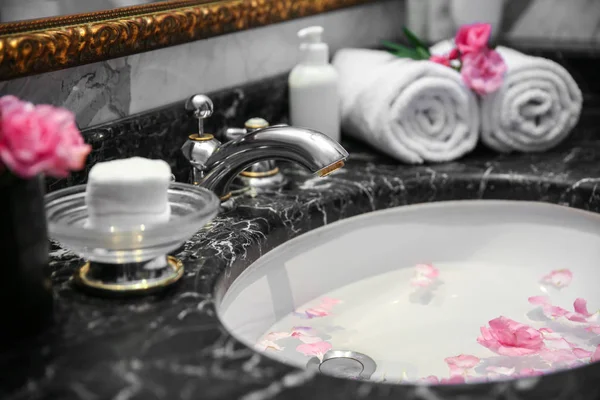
(413, 39)
(401, 51)
(407, 53)
(423, 53)
(393, 46)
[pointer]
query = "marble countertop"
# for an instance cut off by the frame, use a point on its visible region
(172, 346)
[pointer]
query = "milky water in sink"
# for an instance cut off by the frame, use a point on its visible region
(429, 333)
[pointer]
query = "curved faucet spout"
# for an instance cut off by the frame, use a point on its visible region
(309, 148)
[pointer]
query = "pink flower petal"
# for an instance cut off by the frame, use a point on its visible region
(453, 380)
(530, 372)
(275, 336)
(539, 300)
(427, 270)
(558, 278)
(549, 334)
(443, 60)
(581, 353)
(302, 328)
(510, 338)
(559, 344)
(328, 303)
(306, 338)
(265, 345)
(314, 349)
(425, 275)
(580, 307)
(596, 354)
(552, 312)
(463, 361)
(594, 329)
(558, 356)
(316, 312)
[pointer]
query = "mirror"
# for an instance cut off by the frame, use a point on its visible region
(39, 36)
(21, 10)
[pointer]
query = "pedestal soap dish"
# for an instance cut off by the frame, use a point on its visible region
(134, 261)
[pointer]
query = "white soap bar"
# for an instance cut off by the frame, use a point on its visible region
(128, 193)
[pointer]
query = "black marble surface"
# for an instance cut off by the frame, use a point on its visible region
(160, 133)
(172, 346)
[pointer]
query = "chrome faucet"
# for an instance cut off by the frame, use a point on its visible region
(215, 165)
(264, 175)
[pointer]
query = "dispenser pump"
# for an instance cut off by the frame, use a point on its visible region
(314, 51)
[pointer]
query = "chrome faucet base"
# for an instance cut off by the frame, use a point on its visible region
(275, 180)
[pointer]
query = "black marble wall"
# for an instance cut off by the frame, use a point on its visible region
(161, 132)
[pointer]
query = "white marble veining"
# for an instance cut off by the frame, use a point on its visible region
(113, 89)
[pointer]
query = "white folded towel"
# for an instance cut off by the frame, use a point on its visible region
(534, 110)
(414, 111)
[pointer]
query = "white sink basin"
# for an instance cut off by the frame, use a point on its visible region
(354, 286)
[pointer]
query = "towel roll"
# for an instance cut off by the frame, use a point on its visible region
(414, 111)
(535, 109)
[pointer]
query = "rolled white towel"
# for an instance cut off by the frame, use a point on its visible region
(535, 109)
(414, 111)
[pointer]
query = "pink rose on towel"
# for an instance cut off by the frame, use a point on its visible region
(511, 338)
(39, 139)
(483, 71)
(472, 38)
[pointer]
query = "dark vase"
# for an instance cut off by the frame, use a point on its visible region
(26, 305)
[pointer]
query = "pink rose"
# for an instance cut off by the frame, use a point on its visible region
(473, 38)
(39, 139)
(510, 338)
(483, 71)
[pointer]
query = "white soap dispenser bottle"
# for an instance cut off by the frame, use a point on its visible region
(313, 84)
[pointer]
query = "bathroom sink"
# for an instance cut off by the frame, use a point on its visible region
(447, 292)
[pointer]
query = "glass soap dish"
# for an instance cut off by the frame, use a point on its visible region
(133, 261)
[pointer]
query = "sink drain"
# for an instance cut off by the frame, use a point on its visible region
(344, 364)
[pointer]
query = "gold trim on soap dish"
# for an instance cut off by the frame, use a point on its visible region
(143, 287)
(49, 44)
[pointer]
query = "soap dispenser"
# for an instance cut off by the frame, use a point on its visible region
(313, 87)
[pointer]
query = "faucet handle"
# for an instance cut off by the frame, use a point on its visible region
(202, 107)
(256, 123)
(249, 126)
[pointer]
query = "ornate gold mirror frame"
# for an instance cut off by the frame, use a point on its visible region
(43, 45)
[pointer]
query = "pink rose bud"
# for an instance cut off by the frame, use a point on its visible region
(473, 38)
